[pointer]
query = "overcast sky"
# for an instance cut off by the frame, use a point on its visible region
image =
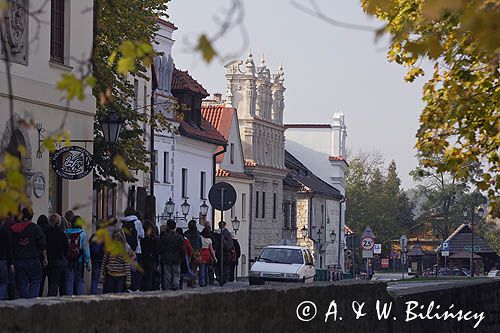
(327, 69)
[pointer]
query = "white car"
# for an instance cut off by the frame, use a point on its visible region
(284, 264)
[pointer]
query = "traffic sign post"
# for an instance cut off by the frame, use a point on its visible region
(445, 252)
(367, 244)
(222, 196)
(377, 249)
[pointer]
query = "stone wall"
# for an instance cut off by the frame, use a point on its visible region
(254, 309)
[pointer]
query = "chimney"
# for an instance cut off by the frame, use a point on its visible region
(218, 98)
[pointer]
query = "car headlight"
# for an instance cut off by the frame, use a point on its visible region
(254, 273)
(292, 275)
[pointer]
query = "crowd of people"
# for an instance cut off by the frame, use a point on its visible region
(56, 251)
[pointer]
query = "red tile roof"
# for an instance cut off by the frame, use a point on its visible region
(225, 173)
(308, 126)
(221, 118)
(206, 132)
(181, 80)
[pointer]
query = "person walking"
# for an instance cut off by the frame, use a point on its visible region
(193, 235)
(234, 257)
(29, 246)
(96, 257)
(6, 258)
(115, 275)
(172, 252)
(186, 272)
(134, 232)
(149, 255)
(43, 223)
(207, 255)
(57, 250)
(78, 257)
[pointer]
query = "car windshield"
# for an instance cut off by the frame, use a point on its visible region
(282, 256)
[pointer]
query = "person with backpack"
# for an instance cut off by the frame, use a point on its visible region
(134, 232)
(96, 257)
(6, 258)
(57, 250)
(78, 257)
(172, 251)
(29, 245)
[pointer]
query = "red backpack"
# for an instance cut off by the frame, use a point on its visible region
(74, 246)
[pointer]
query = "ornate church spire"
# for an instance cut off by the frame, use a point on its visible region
(250, 66)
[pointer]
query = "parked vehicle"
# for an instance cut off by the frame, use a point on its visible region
(284, 264)
(436, 271)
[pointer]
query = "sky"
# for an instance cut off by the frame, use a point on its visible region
(327, 69)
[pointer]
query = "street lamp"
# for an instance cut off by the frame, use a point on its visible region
(169, 207)
(480, 214)
(111, 126)
(185, 208)
(204, 209)
(303, 232)
(319, 236)
(333, 235)
(236, 224)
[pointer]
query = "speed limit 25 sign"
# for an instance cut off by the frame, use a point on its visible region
(367, 243)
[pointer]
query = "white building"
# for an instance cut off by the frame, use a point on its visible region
(231, 169)
(258, 97)
(39, 55)
(322, 149)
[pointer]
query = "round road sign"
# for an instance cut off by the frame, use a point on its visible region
(367, 243)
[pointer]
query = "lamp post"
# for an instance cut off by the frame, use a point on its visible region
(236, 224)
(185, 208)
(169, 207)
(333, 235)
(111, 127)
(304, 232)
(319, 247)
(480, 214)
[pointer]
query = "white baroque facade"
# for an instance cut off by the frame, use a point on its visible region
(36, 65)
(259, 98)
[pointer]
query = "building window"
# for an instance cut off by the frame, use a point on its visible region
(257, 204)
(155, 157)
(57, 31)
(274, 206)
(243, 206)
(263, 204)
(231, 153)
(286, 214)
(293, 216)
(184, 182)
(322, 215)
(166, 166)
(136, 94)
(203, 185)
(232, 212)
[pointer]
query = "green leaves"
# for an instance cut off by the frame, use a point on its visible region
(460, 118)
(205, 48)
(72, 85)
(129, 54)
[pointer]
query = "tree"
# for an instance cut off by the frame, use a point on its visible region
(123, 35)
(460, 118)
(376, 199)
(445, 197)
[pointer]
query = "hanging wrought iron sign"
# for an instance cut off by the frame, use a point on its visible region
(72, 162)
